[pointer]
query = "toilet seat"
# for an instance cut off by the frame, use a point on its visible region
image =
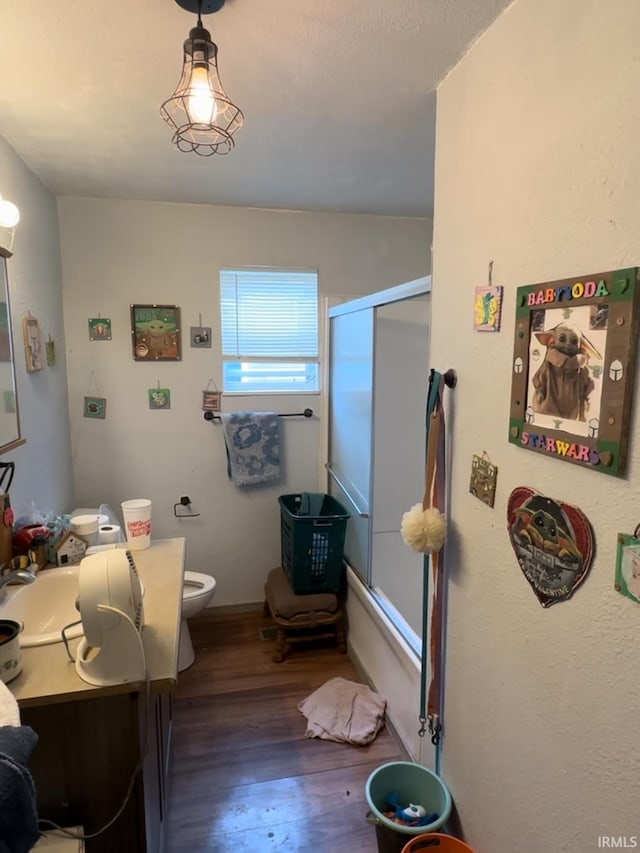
(196, 584)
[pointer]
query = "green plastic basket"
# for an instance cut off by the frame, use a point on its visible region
(313, 545)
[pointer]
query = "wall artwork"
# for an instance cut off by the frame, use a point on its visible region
(50, 348)
(627, 579)
(159, 398)
(155, 332)
(211, 398)
(487, 308)
(573, 368)
(201, 336)
(553, 543)
(484, 475)
(99, 329)
(95, 407)
(32, 343)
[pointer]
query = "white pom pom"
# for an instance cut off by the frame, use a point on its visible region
(423, 530)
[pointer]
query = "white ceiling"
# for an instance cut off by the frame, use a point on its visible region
(338, 97)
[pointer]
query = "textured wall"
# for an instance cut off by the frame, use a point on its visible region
(118, 253)
(536, 169)
(43, 479)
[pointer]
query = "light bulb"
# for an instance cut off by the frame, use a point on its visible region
(9, 214)
(201, 103)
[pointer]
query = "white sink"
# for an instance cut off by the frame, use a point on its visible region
(45, 606)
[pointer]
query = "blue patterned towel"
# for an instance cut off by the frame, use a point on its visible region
(253, 447)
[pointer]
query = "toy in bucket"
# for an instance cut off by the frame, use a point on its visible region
(211, 398)
(435, 842)
(409, 784)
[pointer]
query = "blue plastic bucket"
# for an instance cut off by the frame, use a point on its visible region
(413, 783)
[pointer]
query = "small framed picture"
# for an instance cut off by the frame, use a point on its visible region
(159, 398)
(627, 580)
(50, 347)
(32, 343)
(95, 407)
(155, 332)
(201, 336)
(211, 401)
(99, 329)
(487, 309)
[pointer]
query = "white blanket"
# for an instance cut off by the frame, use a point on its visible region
(344, 711)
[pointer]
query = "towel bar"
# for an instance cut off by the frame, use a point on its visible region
(308, 413)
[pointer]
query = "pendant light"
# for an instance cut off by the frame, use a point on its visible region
(202, 117)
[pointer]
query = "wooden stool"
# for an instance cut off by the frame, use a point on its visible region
(318, 612)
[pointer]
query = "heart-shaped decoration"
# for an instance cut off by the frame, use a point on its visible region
(553, 543)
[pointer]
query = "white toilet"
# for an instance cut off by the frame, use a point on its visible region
(197, 592)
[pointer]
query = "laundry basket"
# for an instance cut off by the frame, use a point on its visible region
(434, 842)
(312, 543)
(412, 783)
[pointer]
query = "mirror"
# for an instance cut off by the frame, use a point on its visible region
(9, 419)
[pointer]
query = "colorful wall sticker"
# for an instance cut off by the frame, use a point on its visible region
(553, 543)
(487, 308)
(484, 475)
(573, 366)
(627, 579)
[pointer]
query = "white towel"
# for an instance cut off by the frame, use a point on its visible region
(9, 711)
(344, 711)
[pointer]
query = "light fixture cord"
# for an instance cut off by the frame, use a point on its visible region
(199, 13)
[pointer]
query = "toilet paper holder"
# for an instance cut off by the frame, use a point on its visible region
(184, 502)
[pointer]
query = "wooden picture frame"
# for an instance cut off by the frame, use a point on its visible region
(573, 368)
(32, 343)
(155, 333)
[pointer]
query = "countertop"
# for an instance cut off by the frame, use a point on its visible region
(48, 676)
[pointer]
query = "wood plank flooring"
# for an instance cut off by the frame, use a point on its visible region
(244, 776)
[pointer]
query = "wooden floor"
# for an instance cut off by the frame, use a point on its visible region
(245, 778)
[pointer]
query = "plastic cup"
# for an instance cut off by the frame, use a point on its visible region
(137, 523)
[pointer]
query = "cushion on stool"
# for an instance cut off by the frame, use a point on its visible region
(285, 603)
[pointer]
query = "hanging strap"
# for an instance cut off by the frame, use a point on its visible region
(434, 496)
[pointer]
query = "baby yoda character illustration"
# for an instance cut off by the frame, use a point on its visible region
(563, 382)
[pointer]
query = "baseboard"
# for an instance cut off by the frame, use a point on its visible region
(249, 607)
(362, 674)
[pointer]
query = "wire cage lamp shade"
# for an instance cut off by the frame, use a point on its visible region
(202, 117)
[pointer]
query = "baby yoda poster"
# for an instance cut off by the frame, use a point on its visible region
(155, 332)
(573, 367)
(566, 351)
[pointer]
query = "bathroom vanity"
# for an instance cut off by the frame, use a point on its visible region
(90, 739)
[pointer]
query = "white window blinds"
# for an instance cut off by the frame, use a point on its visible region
(269, 314)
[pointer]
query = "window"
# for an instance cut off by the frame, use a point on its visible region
(269, 330)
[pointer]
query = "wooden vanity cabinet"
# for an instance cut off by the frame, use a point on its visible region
(83, 763)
